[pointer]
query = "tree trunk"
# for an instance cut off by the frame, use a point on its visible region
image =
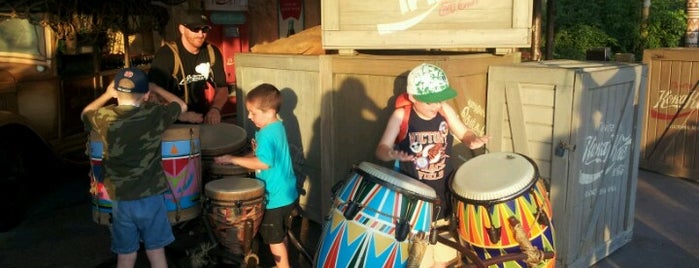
(536, 32)
(550, 15)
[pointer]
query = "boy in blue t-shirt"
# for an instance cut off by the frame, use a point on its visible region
(271, 161)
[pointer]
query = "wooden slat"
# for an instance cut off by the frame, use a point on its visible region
(591, 106)
(515, 113)
(668, 145)
(434, 38)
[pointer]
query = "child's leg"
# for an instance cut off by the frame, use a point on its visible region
(126, 260)
(281, 256)
(157, 258)
(273, 231)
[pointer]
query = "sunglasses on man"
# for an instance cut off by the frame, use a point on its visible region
(203, 29)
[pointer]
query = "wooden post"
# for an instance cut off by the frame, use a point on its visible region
(550, 14)
(536, 33)
(692, 23)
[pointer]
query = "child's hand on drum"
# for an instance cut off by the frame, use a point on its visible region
(224, 159)
(401, 155)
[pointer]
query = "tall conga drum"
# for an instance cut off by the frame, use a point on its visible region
(374, 218)
(101, 202)
(489, 192)
(234, 208)
(181, 150)
(220, 139)
(181, 161)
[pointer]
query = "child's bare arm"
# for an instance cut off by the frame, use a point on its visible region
(167, 96)
(460, 130)
(249, 161)
(100, 101)
(384, 150)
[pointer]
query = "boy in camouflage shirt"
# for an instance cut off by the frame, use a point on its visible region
(133, 175)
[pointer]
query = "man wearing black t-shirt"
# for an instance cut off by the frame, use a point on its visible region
(193, 70)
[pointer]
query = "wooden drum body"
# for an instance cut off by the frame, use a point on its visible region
(375, 215)
(181, 165)
(488, 191)
(235, 207)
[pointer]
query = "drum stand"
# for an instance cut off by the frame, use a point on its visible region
(530, 254)
(293, 239)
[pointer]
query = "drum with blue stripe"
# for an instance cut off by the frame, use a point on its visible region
(181, 160)
(374, 218)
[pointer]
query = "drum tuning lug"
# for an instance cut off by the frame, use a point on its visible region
(351, 210)
(542, 218)
(238, 207)
(402, 230)
(494, 234)
(433, 236)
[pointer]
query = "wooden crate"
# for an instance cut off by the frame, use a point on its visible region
(580, 122)
(368, 24)
(670, 142)
(336, 107)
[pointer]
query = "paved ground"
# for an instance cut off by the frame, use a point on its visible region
(59, 231)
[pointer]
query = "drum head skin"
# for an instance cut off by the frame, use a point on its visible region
(494, 177)
(234, 189)
(398, 182)
(178, 132)
(222, 138)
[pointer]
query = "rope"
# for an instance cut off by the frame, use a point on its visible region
(417, 250)
(534, 255)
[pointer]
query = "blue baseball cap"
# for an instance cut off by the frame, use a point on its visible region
(131, 80)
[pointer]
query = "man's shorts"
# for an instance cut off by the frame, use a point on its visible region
(139, 220)
(273, 228)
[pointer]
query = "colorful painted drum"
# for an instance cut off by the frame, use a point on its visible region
(374, 218)
(490, 189)
(220, 139)
(235, 207)
(182, 166)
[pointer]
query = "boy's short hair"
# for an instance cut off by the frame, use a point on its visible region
(131, 80)
(266, 96)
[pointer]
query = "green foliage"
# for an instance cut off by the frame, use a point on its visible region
(582, 25)
(667, 24)
(572, 43)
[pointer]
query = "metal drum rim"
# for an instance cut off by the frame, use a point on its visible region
(396, 181)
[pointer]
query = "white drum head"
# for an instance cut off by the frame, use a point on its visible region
(222, 138)
(494, 177)
(398, 180)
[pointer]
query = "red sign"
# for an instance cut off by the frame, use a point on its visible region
(290, 9)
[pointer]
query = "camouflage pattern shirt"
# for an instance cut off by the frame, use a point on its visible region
(131, 140)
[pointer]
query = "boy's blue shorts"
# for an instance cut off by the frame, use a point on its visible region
(143, 220)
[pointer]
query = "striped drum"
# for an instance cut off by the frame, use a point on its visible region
(181, 164)
(375, 215)
(491, 189)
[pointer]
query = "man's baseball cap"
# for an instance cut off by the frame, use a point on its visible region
(428, 83)
(195, 21)
(131, 80)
